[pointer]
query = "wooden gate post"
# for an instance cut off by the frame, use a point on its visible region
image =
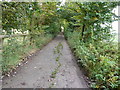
(1, 43)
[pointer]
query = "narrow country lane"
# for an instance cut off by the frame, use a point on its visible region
(37, 72)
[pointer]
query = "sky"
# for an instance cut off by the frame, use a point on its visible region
(62, 2)
(115, 24)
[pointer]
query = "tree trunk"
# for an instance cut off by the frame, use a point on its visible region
(83, 29)
(31, 28)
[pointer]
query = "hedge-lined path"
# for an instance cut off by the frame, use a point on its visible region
(37, 72)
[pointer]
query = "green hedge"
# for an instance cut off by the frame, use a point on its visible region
(100, 59)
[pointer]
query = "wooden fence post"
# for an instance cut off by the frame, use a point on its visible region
(1, 43)
(24, 36)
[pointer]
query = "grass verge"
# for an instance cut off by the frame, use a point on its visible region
(14, 51)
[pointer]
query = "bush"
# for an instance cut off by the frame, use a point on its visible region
(99, 58)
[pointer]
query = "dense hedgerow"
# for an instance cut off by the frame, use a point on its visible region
(99, 58)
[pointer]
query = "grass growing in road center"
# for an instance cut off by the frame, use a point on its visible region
(57, 51)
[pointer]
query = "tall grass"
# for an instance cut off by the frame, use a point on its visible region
(15, 48)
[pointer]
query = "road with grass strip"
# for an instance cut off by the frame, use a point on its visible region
(52, 67)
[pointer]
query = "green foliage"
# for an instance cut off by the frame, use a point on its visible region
(54, 28)
(15, 50)
(100, 59)
(86, 26)
(29, 16)
(88, 32)
(41, 21)
(92, 19)
(9, 11)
